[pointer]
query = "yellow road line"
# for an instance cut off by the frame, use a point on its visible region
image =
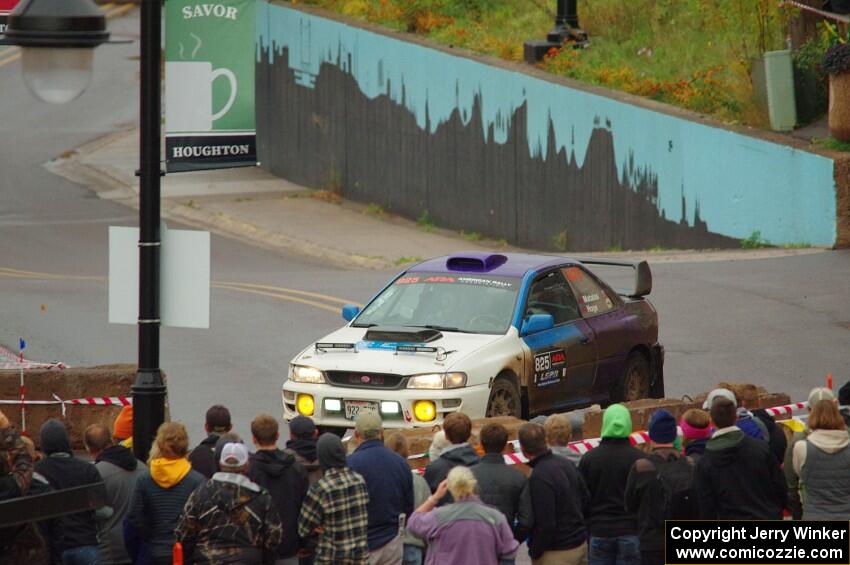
(334, 299)
(11, 59)
(120, 10)
(277, 292)
(6, 272)
(277, 296)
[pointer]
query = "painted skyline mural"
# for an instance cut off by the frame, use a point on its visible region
(519, 142)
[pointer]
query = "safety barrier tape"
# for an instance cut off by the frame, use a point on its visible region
(91, 401)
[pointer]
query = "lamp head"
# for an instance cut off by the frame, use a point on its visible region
(57, 38)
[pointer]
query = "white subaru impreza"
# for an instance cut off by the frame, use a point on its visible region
(486, 334)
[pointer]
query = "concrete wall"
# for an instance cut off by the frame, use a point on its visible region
(507, 151)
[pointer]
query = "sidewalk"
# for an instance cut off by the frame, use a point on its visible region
(252, 205)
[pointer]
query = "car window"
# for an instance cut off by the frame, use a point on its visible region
(592, 298)
(468, 303)
(551, 295)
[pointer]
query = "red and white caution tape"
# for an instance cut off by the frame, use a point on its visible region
(91, 401)
(787, 409)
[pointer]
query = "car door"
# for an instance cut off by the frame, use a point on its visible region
(562, 361)
(603, 310)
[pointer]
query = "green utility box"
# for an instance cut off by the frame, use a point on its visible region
(779, 83)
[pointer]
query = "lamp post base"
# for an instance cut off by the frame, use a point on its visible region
(149, 393)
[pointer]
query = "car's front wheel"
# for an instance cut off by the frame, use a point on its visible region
(637, 378)
(504, 399)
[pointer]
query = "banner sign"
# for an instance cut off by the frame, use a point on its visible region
(209, 84)
(6, 6)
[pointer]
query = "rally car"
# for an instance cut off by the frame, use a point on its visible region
(486, 334)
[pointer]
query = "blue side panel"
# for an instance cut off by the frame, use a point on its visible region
(520, 303)
(550, 338)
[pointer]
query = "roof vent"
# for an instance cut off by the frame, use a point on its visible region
(475, 262)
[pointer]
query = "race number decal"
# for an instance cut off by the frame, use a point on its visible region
(550, 367)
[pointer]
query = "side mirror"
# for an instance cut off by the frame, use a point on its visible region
(350, 311)
(643, 279)
(537, 323)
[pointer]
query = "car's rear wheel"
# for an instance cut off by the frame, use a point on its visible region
(637, 379)
(504, 399)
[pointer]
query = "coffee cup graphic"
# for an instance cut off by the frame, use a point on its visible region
(189, 95)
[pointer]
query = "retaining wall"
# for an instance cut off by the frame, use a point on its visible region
(510, 152)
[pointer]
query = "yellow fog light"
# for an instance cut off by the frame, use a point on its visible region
(424, 410)
(305, 404)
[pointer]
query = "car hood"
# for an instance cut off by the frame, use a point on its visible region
(381, 357)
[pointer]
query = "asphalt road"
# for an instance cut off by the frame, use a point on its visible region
(783, 323)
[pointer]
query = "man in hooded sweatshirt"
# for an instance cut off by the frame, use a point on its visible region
(230, 519)
(458, 429)
(335, 509)
(737, 478)
(119, 469)
(203, 457)
(62, 470)
(302, 444)
(284, 478)
(605, 469)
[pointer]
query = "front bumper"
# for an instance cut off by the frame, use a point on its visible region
(471, 400)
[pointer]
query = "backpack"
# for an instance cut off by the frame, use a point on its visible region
(676, 477)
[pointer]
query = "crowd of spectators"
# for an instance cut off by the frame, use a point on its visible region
(320, 501)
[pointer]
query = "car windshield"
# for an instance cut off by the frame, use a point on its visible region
(448, 302)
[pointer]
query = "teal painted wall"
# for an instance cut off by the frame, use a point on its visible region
(737, 183)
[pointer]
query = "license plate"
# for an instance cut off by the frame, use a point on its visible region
(355, 407)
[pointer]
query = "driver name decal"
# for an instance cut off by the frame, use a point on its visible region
(550, 367)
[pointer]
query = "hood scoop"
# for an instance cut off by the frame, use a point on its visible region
(401, 334)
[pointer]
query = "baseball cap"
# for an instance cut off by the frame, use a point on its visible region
(302, 427)
(234, 455)
(719, 393)
(820, 393)
(368, 424)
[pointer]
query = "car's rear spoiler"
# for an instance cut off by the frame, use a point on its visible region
(643, 275)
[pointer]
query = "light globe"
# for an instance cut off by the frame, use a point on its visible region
(57, 75)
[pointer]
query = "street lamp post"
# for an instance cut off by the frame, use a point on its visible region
(57, 38)
(149, 390)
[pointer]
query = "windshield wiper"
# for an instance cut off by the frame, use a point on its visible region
(441, 328)
(363, 325)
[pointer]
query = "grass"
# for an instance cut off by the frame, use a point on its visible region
(561, 241)
(754, 241)
(690, 53)
(375, 209)
(425, 222)
(471, 236)
(832, 143)
(615, 249)
(406, 260)
(798, 245)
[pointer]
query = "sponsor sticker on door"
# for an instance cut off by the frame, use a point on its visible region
(550, 367)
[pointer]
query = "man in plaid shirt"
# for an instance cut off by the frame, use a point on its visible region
(335, 508)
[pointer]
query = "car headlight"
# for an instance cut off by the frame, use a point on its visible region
(301, 374)
(437, 381)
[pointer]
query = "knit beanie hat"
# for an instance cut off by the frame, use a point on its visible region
(616, 422)
(54, 437)
(820, 393)
(662, 427)
(330, 451)
(123, 426)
